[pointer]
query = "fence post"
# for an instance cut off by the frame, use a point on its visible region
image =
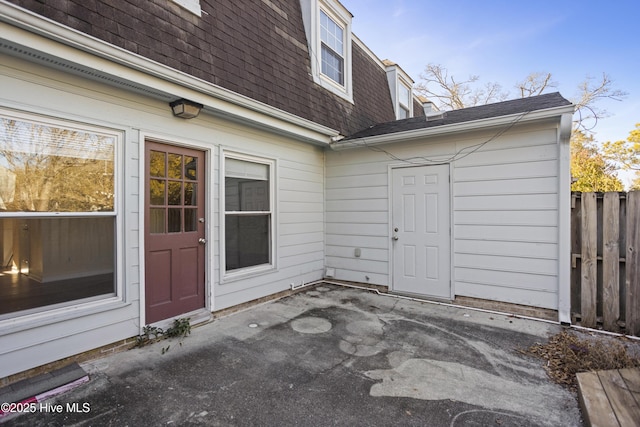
(611, 261)
(589, 259)
(632, 279)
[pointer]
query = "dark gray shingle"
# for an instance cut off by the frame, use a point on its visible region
(515, 106)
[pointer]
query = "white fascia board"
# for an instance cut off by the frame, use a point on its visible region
(368, 51)
(23, 27)
(451, 128)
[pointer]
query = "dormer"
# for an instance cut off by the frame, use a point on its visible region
(328, 28)
(192, 6)
(400, 85)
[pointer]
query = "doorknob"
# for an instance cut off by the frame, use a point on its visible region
(395, 237)
(202, 240)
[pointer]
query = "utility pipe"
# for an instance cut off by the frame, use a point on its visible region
(482, 310)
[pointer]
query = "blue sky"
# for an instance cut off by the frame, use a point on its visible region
(504, 40)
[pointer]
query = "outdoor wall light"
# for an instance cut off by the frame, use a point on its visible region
(185, 109)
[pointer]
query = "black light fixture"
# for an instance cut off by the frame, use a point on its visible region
(185, 109)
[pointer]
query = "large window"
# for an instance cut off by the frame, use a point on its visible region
(57, 214)
(332, 47)
(248, 213)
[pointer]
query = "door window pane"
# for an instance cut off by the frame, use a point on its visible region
(190, 167)
(190, 194)
(156, 192)
(156, 220)
(175, 220)
(190, 220)
(175, 166)
(175, 190)
(157, 164)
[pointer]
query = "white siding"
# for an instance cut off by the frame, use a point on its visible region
(26, 342)
(299, 220)
(504, 212)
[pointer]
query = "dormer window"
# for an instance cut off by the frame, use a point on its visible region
(328, 28)
(404, 101)
(400, 88)
(332, 47)
(192, 6)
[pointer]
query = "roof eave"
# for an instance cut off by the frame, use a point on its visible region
(453, 128)
(28, 29)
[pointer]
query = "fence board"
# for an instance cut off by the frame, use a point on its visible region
(605, 256)
(632, 282)
(589, 260)
(611, 261)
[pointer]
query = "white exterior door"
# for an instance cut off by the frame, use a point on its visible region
(420, 231)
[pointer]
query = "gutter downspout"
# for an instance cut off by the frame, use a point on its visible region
(564, 219)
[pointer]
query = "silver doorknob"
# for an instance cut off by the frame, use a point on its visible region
(395, 237)
(202, 240)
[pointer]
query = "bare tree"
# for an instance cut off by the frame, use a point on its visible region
(535, 84)
(590, 91)
(451, 94)
(56, 169)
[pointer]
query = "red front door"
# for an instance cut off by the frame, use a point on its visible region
(174, 231)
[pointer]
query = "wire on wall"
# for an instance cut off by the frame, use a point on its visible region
(458, 155)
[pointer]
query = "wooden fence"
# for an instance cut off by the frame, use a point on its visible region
(605, 248)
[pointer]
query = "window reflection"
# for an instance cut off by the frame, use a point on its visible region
(175, 166)
(156, 192)
(175, 191)
(45, 168)
(190, 167)
(157, 164)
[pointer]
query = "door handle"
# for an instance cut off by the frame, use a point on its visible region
(202, 241)
(395, 237)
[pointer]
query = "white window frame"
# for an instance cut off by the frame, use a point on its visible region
(401, 106)
(342, 17)
(192, 6)
(19, 320)
(229, 276)
(397, 79)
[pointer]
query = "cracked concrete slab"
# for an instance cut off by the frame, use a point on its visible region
(330, 356)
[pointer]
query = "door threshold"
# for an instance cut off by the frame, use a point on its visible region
(196, 317)
(424, 297)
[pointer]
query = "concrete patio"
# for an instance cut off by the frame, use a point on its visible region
(325, 356)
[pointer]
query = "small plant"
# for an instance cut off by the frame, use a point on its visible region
(146, 336)
(181, 328)
(150, 334)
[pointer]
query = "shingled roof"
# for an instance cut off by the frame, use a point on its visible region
(254, 48)
(515, 106)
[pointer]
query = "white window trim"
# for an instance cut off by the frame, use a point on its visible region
(82, 307)
(396, 77)
(241, 273)
(342, 17)
(192, 6)
(409, 107)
